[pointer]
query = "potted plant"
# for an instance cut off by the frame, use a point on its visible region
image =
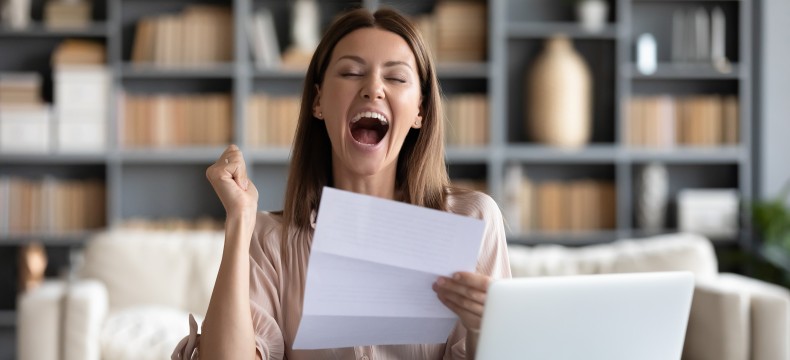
(772, 219)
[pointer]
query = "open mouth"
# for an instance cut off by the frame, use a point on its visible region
(369, 127)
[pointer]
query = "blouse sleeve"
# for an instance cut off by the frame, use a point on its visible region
(492, 261)
(264, 294)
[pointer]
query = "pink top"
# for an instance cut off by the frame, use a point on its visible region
(277, 290)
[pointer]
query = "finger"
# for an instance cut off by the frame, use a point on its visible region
(228, 150)
(463, 302)
(461, 289)
(468, 319)
(478, 281)
(238, 172)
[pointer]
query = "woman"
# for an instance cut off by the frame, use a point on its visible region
(370, 122)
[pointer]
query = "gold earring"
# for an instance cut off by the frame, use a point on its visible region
(320, 115)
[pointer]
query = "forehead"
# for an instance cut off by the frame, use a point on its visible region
(374, 45)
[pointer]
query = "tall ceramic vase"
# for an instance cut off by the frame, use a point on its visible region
(651, 201)
(559, 103)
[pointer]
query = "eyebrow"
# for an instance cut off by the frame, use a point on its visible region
(362, 61)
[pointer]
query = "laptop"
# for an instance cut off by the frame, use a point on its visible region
(608, 317)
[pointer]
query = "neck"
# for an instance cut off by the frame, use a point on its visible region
(380, 184)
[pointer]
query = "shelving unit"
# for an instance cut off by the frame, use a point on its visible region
(171, 182)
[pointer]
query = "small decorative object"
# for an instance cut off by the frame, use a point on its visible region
(305, 33)
(592, 14)
(651, 206)
(16, 13)
(559, 104)
(646, 54)
(32, 264)
(709, 212)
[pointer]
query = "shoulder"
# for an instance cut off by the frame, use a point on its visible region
(473, 204)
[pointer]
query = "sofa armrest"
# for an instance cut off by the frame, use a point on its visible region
(770, 316)
(86, 307)
(718, 326)
(39, 321)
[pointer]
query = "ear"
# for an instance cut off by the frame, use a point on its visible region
(317, 113)
(418, 119)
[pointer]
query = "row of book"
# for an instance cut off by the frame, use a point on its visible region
(50, 205)
(272, 120)
(200, 35)
(467, 120)
(557, 206)
(67, 13)
(666, 121)
(456, 31)
(204, 223)
(176, 120)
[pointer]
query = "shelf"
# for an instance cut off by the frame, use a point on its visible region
(66, 159)
(70, 238)
(594, 154)
(7, 318)
(719, 155)
(199, 155)
(279, 74)
(38, 30)
(462, 70)
(528, 30)
(275, 156)
(690, 71)
(639, 233)
(467, 155)
(566, 238)
(139, 71)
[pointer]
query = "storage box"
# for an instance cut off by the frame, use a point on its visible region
(709, 212)
(25, 129)
(81, 136)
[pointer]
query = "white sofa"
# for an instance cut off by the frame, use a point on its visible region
(132, 299)
(732, 317)
(136, 289)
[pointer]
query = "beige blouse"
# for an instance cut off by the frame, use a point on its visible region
(277, 290)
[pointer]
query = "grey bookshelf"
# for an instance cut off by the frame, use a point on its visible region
(171, 182)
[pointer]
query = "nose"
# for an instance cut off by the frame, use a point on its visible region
(372, 89)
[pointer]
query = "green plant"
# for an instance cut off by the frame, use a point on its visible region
(772, 219)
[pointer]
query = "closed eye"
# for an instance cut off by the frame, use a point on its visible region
(397, 80)
(351, 75)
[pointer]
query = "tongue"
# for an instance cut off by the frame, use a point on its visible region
(366, 136)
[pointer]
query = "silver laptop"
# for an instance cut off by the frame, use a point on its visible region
(609, 317)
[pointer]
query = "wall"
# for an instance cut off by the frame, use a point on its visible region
(773, 97)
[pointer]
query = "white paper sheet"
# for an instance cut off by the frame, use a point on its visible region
(370, 272)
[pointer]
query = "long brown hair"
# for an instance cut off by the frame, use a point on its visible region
(421, 175)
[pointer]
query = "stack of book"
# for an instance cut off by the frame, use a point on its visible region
(176, 120)
(665, 121)
(558, 206)
(82, 87)
(25, 121)
(174, 224)
(20, 88)
(272, 120)
(467, 120)
(201, 35)
(67, 13)
(50, 205)
(460, 30)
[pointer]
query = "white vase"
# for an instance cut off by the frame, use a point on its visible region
(559, 103)
(592, 14)
(651, 201)
(305, 32)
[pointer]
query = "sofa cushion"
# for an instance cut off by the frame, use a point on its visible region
(676, 252)
(141, 267)
(142, 333)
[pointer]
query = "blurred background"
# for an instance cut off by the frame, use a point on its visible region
(599, 126)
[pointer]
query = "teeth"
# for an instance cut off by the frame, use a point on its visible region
(372, 115)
